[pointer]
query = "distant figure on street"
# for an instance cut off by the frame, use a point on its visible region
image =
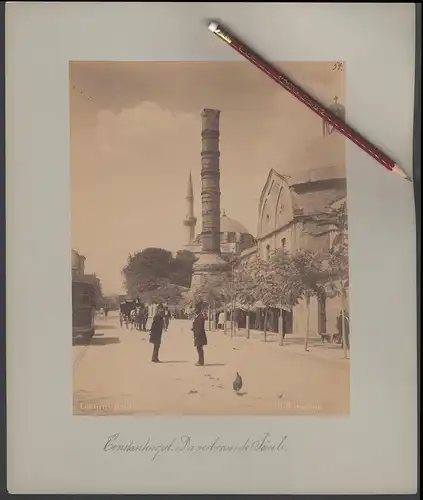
(144, 318)
(138, 313)
(200, 338)
(156, 331)
(221, 320)
(106, 311)
(216, 320)
(166, 318)
(347, 328)
(133, 318)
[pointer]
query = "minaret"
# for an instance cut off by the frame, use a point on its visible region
(190, 221)
(210, 261)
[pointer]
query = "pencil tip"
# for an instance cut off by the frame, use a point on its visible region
(401, 172)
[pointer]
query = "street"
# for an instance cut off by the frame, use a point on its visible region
(113, 375)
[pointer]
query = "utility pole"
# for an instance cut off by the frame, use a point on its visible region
(234, 253)
(233, 292)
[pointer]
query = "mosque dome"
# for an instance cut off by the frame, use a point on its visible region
(232, 232)
(228, 225)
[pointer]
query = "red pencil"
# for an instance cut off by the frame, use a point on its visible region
(306, 99)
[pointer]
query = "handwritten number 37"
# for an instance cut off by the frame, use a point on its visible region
(337, 66)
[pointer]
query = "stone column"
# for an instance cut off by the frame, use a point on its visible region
(210, 263)
(210, 178)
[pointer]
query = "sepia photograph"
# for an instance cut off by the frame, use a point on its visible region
(209, 253)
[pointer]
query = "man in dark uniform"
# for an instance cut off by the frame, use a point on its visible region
(145, 318)
(347, 328)
(156, 331)
(200, 338)
(166, 318)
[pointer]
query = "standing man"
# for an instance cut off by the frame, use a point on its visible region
(138, 319)
(166, 318)
(200, 338)
(347, 328)
(156, 331)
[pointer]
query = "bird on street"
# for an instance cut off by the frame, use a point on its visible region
(237, 385)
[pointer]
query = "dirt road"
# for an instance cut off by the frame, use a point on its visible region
(114, 375)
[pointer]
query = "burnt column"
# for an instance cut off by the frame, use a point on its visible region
(209, 263)
(210, 179)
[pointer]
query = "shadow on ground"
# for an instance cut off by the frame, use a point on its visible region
(174, 361)
(106, 327)
(104, 340)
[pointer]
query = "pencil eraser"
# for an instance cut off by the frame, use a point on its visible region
(213, 26)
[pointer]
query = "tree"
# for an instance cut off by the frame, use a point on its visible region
(167, 294)
(226, 291)
(245, 287)
(288, 285)
(112, 301)
(265, 287)
(154, 268)
(209, 293)
(307, 270)
(335, 222)
(181, 268)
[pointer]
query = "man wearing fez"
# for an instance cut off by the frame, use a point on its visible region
(200, 338)
(156, 331)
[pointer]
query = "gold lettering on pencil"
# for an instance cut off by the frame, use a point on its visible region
(223, 35)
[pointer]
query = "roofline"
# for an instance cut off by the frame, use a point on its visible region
(85, 282)
(342, 198)
(272, 171)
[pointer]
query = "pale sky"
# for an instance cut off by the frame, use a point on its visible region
(136, 134)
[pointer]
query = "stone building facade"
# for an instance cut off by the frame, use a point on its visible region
(78, 264)
(285, 213)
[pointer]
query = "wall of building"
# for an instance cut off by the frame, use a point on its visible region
(314, 197)
(286, 237)
(307, 239)
(78, 264)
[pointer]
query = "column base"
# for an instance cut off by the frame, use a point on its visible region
(207, 266)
